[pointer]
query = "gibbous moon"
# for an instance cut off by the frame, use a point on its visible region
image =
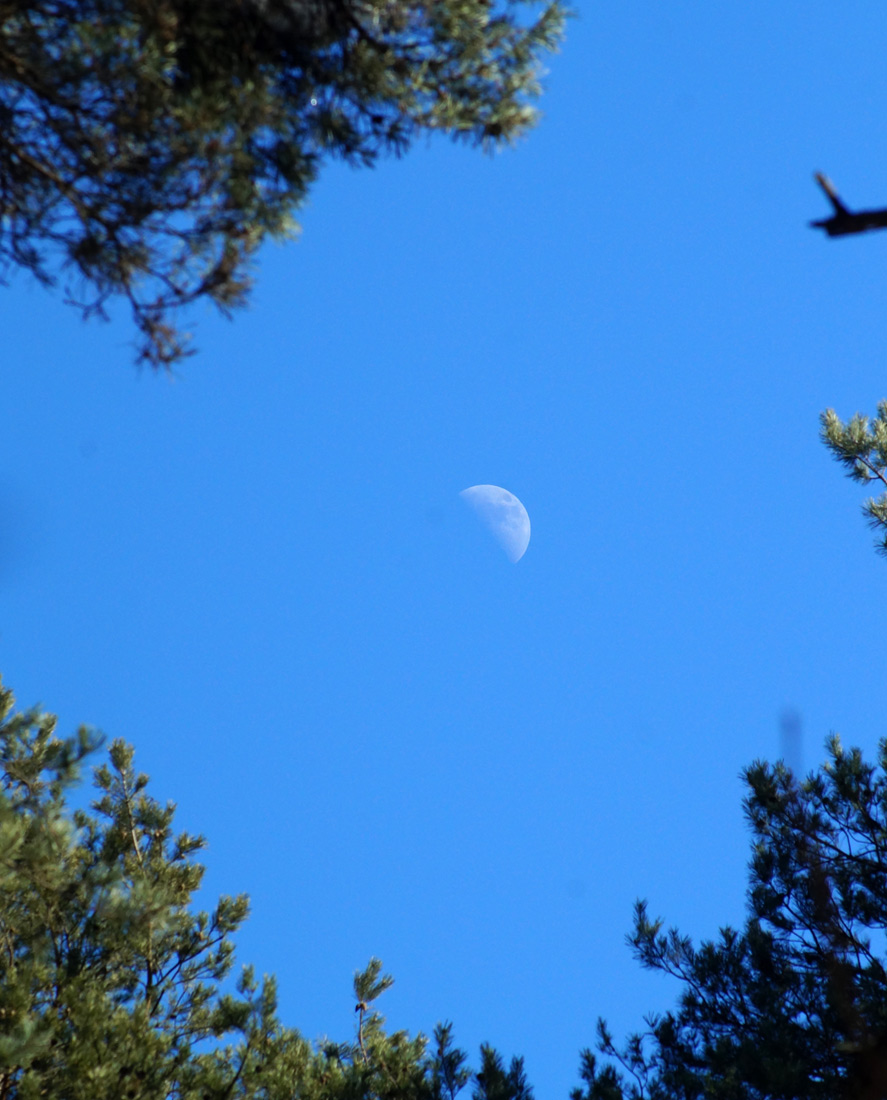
(503, 514)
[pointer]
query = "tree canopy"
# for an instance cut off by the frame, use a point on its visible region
(148, 147)
(113, 988)
(792, 1006)
(860, 445)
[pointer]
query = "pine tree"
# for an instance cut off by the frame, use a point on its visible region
(860, 445)
(148, 147)
(113, 988)
(792, 1006)
(494, 1082)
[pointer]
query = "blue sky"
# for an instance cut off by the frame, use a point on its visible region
(261, 574)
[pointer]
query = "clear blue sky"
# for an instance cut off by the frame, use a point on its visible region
(261, 574)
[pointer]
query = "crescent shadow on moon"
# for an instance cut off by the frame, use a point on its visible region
(503, 514)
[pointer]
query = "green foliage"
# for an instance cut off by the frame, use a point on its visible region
(860, 445)
(494, 1082)
(449, 1074)
(150, 146)
(113, 988)
(603, 1083)
(109, 985)
(795, 1004)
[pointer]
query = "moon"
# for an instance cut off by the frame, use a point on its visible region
(503, 514)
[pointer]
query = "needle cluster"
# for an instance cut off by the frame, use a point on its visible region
(114, 987)
(148, 147)
(793, 1004)
(860, 445)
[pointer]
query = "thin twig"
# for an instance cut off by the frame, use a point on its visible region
(873, 470)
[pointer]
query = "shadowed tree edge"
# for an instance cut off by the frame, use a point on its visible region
(794, 1005)
(148, 147)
